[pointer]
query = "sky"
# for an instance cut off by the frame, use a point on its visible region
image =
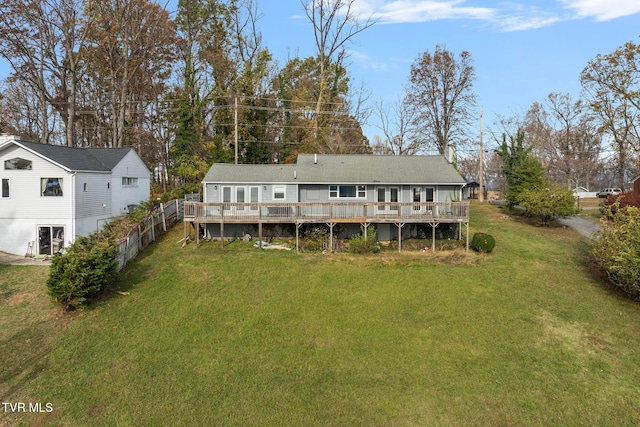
(522, 50)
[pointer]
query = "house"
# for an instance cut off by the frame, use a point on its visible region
(51, 194)
(636, 184)
(402, 195)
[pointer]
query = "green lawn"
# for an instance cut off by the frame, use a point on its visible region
(238, 336)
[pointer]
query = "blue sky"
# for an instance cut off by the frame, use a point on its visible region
(522, 49)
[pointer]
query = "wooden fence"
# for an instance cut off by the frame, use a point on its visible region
(163, 217)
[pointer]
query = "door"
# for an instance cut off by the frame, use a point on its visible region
(423, 198)
(50, 239)
(387, 195)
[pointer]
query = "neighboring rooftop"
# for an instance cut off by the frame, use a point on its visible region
(73, 159)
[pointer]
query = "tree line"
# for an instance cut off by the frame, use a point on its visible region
(592, 141)
(186, 89)
(197, 86)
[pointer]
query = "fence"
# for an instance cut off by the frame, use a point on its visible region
(163, 217)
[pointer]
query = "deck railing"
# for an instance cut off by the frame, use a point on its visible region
(345, 211)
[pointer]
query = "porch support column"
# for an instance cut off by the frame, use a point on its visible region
(222, 234)
(365, 225)
(331, 225)
(260, 235)
(467, 236)
(400, 224)
(184, 228)
(298, 224)
(433, 236)
(196, 226)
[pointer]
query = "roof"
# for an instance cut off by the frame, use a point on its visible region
(77, 159)
(343, 168)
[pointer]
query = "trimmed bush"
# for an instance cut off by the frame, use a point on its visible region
(616, 249)
(86, 267)
(483, 242)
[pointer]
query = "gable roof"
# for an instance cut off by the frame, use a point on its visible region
(343, 169)
(77, 159)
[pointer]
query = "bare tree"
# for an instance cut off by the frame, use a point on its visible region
(44, 41)
(565, 139)
(334, 26)
(397, 122)
(441, 91)
(612, 83)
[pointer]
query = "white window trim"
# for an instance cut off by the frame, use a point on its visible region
(60, 184)
(129, 181)
(358, 191)
(277, 189)
(1, 188)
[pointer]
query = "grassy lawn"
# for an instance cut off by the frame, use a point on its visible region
(237, 336)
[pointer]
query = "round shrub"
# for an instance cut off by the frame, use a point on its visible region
(483, 242)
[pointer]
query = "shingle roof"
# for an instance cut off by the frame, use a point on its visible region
(356, 169)
(79, 159)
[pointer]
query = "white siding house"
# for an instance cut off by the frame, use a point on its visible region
(51, 194)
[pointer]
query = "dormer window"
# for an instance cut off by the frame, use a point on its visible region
(17, 164)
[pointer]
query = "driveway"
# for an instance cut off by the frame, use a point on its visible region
(10, 259)
(584, 226)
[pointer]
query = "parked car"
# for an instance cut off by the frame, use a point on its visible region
(606, 192)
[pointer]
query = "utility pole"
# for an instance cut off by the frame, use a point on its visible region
(235, 131)
(481, 195)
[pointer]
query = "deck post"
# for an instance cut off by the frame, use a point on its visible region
(298, 224)
(400, 224)
(433, 236)
(331, 225)
(260, 235)
(221, 234)
(467, 236)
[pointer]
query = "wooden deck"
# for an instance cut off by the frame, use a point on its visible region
(333, 213)
(345, 212)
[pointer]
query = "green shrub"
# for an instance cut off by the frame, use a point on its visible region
(616, 249)
(361, 245)
(84, 269)
(483, 242)
(548, 202)
(316, 239)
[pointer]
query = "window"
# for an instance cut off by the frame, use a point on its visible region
(17, 164)
(129, 181)
(5, 188)
(51, 187)
(253, 194)
(240, 197)
(279, 192)
(348, 191)
(428, 197)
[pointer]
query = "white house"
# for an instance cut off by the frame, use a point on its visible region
(51, 194)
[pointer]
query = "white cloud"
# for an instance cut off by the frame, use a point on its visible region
(368, 63)
(408, 11)
(603, 10)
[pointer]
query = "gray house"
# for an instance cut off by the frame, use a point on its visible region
(399, 194)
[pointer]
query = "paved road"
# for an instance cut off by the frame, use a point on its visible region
(584, 226)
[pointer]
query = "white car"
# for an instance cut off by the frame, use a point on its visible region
(606, 192)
